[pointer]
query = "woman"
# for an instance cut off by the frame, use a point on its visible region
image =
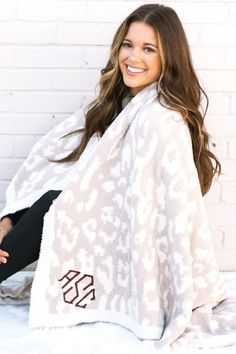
(127, 240)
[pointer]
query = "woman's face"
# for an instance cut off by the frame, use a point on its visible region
(139, 58)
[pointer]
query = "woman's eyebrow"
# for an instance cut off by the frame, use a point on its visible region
(128, 40)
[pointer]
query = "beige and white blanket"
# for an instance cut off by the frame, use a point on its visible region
(127, 241)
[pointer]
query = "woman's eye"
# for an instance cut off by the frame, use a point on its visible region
(129, 45)
(149, 49)
(126, 45)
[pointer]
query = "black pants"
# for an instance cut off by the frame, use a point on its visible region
(23, 242)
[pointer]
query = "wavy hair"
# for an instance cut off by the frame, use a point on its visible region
(178, 88)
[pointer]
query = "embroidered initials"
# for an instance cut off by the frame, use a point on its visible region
(77, 288)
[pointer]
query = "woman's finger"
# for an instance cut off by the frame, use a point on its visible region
(4, 253)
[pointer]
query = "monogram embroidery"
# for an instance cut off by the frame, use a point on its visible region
(78, 288)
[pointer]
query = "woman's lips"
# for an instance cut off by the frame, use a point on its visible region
(132, 73)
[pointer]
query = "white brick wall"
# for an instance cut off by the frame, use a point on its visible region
(51, 54)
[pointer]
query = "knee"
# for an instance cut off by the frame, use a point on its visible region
(49, 196)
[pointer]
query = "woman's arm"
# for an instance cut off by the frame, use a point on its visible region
(15, 217)
(6, 224)
(9, 221)
(5, 227)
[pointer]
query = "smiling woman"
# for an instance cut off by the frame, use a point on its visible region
(110, 201)
(139, 57)
(152, 39)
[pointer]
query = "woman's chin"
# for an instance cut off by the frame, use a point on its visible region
(133, 88)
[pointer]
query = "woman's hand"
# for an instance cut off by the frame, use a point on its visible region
(5, 227)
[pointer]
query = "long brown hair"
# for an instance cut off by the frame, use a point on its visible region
(178, 85)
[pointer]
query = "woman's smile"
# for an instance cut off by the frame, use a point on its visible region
(134, 71)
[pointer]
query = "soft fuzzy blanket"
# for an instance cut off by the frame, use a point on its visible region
(106, 337)
(127, 241)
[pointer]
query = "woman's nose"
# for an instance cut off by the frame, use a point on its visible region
(135, 55)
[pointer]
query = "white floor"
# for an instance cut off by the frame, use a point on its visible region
(96, 338)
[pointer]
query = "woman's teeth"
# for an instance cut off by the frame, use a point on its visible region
(134, 70)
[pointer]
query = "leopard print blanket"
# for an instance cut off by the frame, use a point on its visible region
(127, 241)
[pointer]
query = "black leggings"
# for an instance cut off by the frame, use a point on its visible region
(23, 242)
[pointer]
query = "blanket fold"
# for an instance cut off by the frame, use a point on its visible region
(15, 292)
(127, 241)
